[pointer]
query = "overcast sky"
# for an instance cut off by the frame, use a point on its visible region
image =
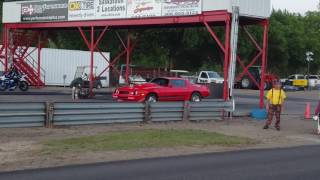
(300, 6)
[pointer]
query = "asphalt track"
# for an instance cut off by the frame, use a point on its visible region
(301, 163)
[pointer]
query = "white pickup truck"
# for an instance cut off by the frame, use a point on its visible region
(209, 77)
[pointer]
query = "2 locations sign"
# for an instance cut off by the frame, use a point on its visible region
(77, 10)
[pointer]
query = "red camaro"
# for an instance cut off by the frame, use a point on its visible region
(162, 89)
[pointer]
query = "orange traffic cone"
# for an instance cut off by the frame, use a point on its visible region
(307, 113)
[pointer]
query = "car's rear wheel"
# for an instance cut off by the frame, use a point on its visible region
(151, 98)
(195, 97)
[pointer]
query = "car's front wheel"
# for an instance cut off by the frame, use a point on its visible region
(151, 98)
(195, 97)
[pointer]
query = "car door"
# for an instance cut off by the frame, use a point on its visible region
(162, 89)
(178, 90)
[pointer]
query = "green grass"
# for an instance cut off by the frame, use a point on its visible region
(133, 140)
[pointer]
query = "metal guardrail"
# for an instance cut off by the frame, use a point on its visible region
(165, 111)
(22, 114)
(76, 113)
(210, 110)
(97, 113)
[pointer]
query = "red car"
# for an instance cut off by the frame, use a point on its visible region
(162, 89)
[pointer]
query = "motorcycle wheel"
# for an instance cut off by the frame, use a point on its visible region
(3, 86)
(23, 86)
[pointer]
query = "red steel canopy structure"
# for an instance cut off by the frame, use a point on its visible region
(207, 13)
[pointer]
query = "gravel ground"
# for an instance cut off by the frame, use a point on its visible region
(19, 147)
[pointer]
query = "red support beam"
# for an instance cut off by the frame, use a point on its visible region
(6, 33)
(84, 37)
(264, 60)
(92, 46)
(245, 68)
(128, 49)
(100, 37)
(253, 40)
(91, 60)
(215, 37)
(116, 59)
(39, 59)
(120, 39)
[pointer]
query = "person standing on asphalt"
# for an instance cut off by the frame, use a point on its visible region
(317, 111)
(275, 99)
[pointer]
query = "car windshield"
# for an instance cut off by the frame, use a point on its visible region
(214, 75)
(312, 77)
(160, 81)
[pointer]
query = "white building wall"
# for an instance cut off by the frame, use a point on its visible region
(11, 12)
(248, 8)
(217, 5)
(58, 62)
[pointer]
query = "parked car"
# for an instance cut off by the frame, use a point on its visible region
(209, 77)
(81, 78)
(287, 86)
(162, 89)
(298, 80)
(313, 80)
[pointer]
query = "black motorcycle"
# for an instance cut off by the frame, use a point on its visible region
(12, 82)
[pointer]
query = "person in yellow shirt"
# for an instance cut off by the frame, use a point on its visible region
(275, 98)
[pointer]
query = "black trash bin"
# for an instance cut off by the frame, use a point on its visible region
(216, 91)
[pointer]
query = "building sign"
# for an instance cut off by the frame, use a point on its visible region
(45, 11)
(110, 9)
(81, 10)
(144, 8)
(181, 7)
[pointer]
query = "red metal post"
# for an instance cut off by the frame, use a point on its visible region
(39, 60)
(91, 61)
(6, 47)
(215, 37)
(226, 60)
(264, 60)
(128, 49)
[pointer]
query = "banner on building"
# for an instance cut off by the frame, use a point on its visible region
(81, 10)
(143, 8)
(45, 11)
(181, 7)
(110, 9)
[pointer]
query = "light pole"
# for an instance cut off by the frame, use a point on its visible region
(309, 58)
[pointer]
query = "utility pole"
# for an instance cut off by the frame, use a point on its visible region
(309, 59)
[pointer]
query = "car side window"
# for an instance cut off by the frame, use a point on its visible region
(178, 83)
(300, 77)
(161, 82)
(291, 77)
(204, 75)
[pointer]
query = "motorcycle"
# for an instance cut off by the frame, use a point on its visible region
(13, 82)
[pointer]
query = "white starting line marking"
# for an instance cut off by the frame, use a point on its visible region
(311, 139)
